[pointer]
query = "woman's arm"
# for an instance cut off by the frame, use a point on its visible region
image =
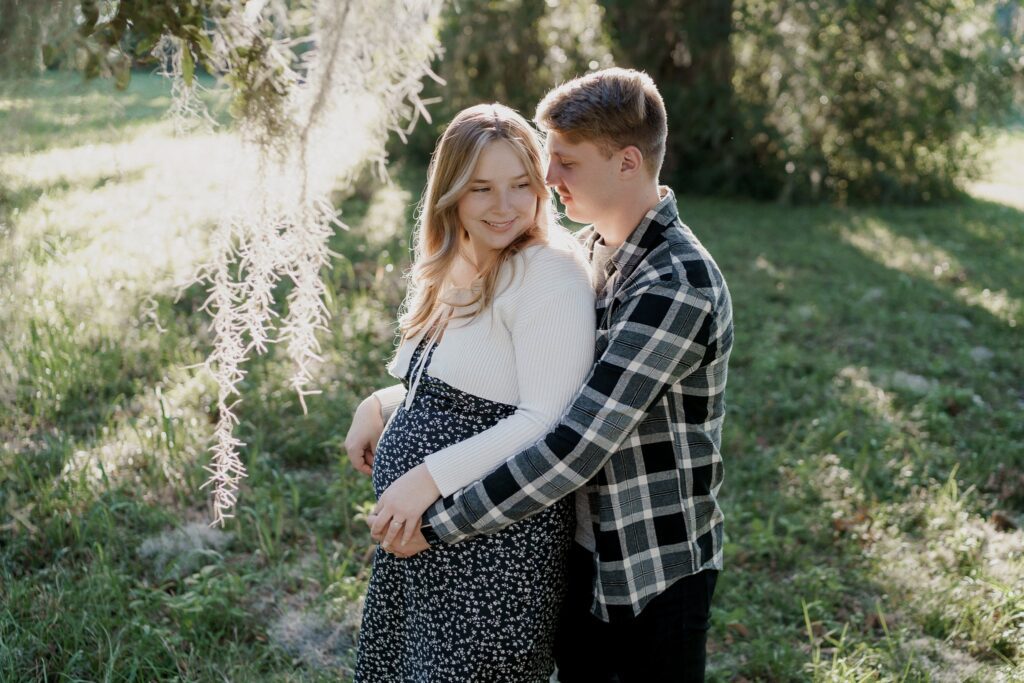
(553, 339)
(553, 342)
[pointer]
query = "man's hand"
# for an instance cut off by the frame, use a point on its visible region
(400, 508)
(414, 547)
(362, 437)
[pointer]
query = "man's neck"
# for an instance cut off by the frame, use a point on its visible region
(620, 223)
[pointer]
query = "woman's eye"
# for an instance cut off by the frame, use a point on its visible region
(480, 189)
(567, 164)
(523, 186)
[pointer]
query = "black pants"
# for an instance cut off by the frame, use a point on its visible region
(666, 642)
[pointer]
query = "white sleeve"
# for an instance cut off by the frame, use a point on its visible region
(553, 340)
(390, 398)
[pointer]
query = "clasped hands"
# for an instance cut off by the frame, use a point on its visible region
(396, 518)
(401, 507)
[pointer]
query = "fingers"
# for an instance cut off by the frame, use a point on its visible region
(394, 528)
(359, 463)
(409, 530)
(361, 458)
(371, 520)
(380, 524)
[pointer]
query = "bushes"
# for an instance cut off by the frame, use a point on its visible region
(871, 101)
(844, 100)
(839, 100)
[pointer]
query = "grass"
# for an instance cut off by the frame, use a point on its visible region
(873, 446)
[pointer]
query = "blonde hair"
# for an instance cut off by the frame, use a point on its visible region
(438, 231)
(613, 108)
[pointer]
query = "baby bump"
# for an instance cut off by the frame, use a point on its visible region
(424, 428)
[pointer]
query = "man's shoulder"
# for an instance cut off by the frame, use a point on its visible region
(680, 257)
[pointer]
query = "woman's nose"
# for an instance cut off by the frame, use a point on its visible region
(501, 200)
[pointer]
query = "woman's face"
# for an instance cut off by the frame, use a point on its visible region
(499, 203)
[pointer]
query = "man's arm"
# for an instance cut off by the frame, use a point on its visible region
(659, 336)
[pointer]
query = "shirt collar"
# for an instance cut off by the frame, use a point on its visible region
(644, 236)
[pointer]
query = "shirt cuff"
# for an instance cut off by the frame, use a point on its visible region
(446, 522)
(390, 398)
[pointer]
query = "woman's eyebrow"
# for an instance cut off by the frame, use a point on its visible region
(486, 180)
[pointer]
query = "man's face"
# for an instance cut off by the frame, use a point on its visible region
(585, 178)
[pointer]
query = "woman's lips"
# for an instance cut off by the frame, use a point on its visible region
(502, 226)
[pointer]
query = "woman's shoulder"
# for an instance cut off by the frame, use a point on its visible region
(554, 262)
(543, 268)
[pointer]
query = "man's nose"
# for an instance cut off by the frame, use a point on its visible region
(550, 177)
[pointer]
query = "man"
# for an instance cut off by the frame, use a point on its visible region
(640, 444)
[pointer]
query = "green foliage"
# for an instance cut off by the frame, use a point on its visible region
(871, 101)
(508, 51)
(828, 100)
(835, 100)
(685, 46)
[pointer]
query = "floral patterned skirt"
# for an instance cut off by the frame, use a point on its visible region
(481, 610)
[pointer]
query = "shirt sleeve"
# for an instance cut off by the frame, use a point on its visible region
(390, 398)
(658, 335)
(552, 335)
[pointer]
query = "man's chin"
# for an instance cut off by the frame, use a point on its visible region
(572, 214)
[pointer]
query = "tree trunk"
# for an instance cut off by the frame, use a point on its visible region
(684, 45)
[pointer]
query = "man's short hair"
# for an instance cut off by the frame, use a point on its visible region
(613, 108)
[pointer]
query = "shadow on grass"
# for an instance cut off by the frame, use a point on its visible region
(63, 110)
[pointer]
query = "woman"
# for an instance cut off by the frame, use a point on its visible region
(496, 338)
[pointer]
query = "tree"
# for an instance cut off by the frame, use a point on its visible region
(685, 46)
(508, 51)
(872, 101)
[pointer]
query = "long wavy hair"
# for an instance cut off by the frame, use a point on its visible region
(438, 232)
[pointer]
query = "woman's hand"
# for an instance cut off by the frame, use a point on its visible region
(400, 508)
(405, 550)
(363, 435)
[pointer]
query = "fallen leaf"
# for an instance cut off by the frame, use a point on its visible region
(739, 629)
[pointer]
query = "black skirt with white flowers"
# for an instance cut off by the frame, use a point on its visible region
(481, 610)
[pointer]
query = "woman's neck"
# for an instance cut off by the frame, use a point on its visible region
(465, 268)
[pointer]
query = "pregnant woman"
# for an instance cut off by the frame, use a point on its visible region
(497, 336)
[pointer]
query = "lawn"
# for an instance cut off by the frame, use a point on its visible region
(874, 445)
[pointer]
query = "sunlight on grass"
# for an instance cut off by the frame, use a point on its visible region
(1005, 181)
(133, 221)
(922, 259)
(954, 574)
(165, 429)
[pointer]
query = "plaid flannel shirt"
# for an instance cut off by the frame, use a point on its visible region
(643, 435)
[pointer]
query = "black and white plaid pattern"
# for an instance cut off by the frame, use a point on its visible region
(642, 437)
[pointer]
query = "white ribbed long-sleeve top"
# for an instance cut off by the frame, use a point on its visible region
(532, 348)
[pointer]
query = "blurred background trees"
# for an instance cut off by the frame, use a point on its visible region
(840, 100)
(797, 101)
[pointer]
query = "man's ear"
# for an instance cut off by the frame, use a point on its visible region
(632, 160)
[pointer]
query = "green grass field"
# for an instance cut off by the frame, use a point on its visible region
(874, 445)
